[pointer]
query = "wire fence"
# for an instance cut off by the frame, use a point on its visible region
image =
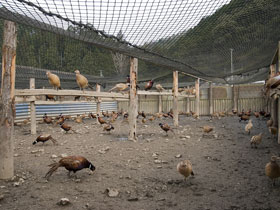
(209, 39)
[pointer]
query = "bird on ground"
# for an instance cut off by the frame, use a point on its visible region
(248, 113)
(262, 112)
(272, 169)
(207, 129)
(244, 118)
(78, 119)
(101, 120)
(47, 119)
(166, 128)
(70, 163)
(249, 126)
(50, 97)
(44, 138)
(90, 115)
(256, 140)
(119, 87)
(269, 123)
(185, 168)
(108, 128)
(60, 120)
(127, 79)
(257, 114)
(267, 115)
(144, 120)
(159, 88)
(141, 114)
(149, 85)
(273, 131)
(152, 118)
(53, 80)
(66, 127)
(82, 81)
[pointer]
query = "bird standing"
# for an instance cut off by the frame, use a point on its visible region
(44, 138)
(149, 85)
(53, 80)
(272, 169)
(82, 81)
(256, 140)
(71, 163)
(120, 87)
(249, 126)
(166, 127)
(159, 88)
(185, 168)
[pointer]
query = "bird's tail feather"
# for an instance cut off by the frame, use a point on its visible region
(90, 86)
(54, 167)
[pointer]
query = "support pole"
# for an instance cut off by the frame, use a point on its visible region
(159, 104)
(7, 102)
(133, 99)
(210, 98)
(235, 97)
(98, 104)
(175, 98)
(278, 120)
(32, 109)
(197, 97)
(188, 102)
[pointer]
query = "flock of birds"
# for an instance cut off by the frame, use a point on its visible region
(106, 119)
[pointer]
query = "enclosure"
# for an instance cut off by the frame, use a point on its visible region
(136, 87)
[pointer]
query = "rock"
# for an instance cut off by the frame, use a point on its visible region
(16, 184)
(54, 156)
(178, 156)
(157, 161)
(63, 202)
(101, 151)
(133, 199)
(155, 154)
(34, 151)
(41, 150)
(63, 155)
(188, 137)
(2, 197)
(112, 192)
(16, 155)
(2, 187)
(107, 148)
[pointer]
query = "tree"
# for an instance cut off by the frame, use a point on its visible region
(121, 61)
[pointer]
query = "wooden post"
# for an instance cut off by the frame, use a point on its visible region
(210, 98)
(133, 99)
(32, 109)
(278, 120)
(159, 104)
(188, 102)
(274, 112)
(7, 102)
(197, 97)
(98, 104)
(235, 97)
(175, 98)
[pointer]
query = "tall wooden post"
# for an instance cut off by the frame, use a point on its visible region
(98, 104)
(210, 98)
(175, 98)
(32, 109)
(159, 104)
(133, 99)
(197, 97)
(235, 97)
(188, 102)
(7, 102)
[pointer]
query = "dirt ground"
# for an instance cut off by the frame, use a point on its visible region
(229, 174)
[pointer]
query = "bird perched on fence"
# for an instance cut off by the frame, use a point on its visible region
(70, 163)
(272, 169)
(166, 127)
(159, 88)
(82, 81)
(149, 85)
(185, 168)
(120, 87)
(256, 140)
(44, 138)
(47, 119)
(108, 128)
(53, 80)
(249, 126)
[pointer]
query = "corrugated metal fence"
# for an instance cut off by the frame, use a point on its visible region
(23, 110)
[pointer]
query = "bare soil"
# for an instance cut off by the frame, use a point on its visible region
(229, 174)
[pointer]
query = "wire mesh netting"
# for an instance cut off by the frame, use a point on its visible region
(209, 39)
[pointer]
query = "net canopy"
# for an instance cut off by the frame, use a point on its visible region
(222, 41)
